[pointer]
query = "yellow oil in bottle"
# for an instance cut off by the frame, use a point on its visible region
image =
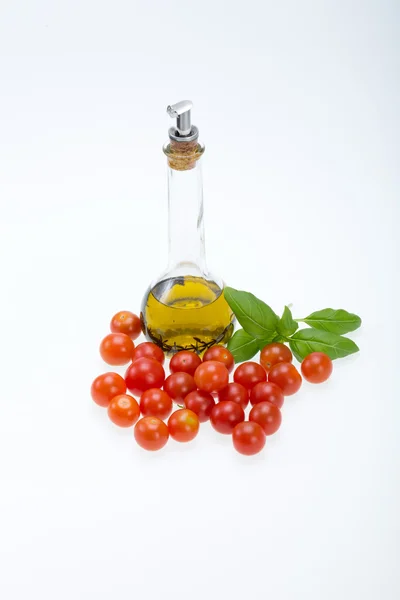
(186, 313)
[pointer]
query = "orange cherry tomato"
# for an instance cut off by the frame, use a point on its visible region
(116, 349)
(126, 322)
(275, 353)
(220, 354)
(123, 410)
(183, 425)
(151, 433)
(106, 386)
(211, 376)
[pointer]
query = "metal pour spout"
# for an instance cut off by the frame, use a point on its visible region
(184, 131)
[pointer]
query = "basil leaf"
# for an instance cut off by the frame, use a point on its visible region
(242, 345)
(335, 321)
(309, 340)
(287, 325)
(256, 317)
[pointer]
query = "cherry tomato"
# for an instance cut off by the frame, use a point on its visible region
(275, 353)
(267, 391)
(184, 362)
(220, 354)
(225, 415)
(155, 403)
(316, 367)
(211, 376)
(126, 322)
(143, 374)
(123, 410)
(236, 392)
(249, 374)
(183, 425)
(248, 438)
(179, 385)
(267, 415)
(116, 349)
(286, 376)
(148, 350)
(106, 386)
(151, 433)
(200, 403)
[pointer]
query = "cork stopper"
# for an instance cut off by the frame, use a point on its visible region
(182, 156)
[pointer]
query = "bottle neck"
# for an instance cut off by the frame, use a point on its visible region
(185, 213)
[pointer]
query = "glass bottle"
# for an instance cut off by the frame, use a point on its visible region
(185, 308)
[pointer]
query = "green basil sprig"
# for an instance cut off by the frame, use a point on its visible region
(261, 326)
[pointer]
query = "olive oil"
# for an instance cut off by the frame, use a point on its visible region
(186, 313)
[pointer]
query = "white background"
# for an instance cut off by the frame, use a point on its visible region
(297, 103)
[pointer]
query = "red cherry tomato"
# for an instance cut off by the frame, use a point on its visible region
(184, 362)
(267, 415)
(123, 410)
(155, 403)
(183, 425)
(116, 349)
(179, 385)
(249, 374)
(267, 391)
(220, 354)
(275, 353)
(143, 374)
(148, 350)
(126, 322)
(236, 392)
(106, 386)
(211, 376)
(316, 367)
(248, 438)
(200, 403)
(225, 415)
(286, 376)
(151, 433)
